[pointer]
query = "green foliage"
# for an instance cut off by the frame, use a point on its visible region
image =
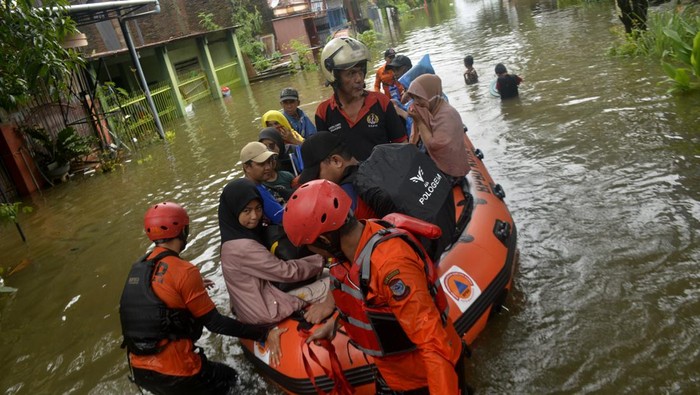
(402, 6)
(67, 146)
(681, 76)
(70, 145)
(673, 36)
(695, 56)
(109, 90)
(9, 211)
(303, 51)
(206, 19)
(31, 51)
(110, 96)
(170, 136)
(109, 161)
(145, 160)
(369, 38)
(250, 24)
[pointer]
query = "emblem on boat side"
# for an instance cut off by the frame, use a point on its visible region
(261, 352)
(461, 287)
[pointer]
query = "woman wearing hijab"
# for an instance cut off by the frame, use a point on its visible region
(249, 268)
(281, 179)
(438, 125)
(277, 120)
(274, 142)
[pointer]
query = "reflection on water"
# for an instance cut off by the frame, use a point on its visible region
(599, 163)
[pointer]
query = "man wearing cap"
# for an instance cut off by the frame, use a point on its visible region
(258, 166)
(400, 65)
(289, 99)
(326, 157)
(384, 81)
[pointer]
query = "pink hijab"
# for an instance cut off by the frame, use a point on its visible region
(448, 146)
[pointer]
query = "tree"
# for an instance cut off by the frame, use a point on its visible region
(633, 14)
(249, 16)
(31, 51)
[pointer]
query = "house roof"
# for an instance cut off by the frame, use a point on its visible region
(157, 43)
(93, 12)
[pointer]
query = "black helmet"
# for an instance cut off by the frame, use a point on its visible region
(400, 61)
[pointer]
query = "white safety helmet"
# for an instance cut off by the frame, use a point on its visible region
(342, 53)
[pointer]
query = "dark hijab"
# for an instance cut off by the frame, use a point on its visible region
(284, 162)
(236, 195)
(274, 135)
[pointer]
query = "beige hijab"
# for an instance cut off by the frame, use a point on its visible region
(448, 146)
(427, 87)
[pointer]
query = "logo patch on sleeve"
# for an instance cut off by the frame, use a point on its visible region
(399, 289)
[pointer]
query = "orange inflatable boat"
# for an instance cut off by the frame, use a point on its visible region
(476, 272)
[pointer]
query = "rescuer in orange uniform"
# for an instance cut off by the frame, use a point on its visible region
(384, 81)
(385, 291)
(164, 307)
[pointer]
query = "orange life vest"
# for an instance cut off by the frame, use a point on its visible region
(373, 328)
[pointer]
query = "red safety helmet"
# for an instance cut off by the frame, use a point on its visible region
(315, 208)
(166, 220)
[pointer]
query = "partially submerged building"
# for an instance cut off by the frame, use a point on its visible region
(176, 52)
(312, 22)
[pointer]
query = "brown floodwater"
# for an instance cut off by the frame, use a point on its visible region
(602, 173)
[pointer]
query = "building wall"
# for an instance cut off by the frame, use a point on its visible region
(177, 18)
(288, 29)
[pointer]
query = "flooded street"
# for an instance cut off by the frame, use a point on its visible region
(600, 165)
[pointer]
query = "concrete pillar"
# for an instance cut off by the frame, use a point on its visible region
(235, 48)
(167, 65)
(209, 69)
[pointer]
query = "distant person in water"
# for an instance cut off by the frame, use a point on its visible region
(507, 84)
(470, 75)
(384, 80)
(400, 65)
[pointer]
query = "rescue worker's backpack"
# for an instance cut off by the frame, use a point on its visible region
(145, 319)
(398, 178)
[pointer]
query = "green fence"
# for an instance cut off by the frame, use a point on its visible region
(228, 74)
(193, 86)
(130, 118)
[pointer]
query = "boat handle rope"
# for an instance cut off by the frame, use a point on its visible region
(341, 385)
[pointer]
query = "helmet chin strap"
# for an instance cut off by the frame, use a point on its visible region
(183, 237)
(332, 246)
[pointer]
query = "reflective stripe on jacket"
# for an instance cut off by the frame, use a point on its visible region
(373, 328)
